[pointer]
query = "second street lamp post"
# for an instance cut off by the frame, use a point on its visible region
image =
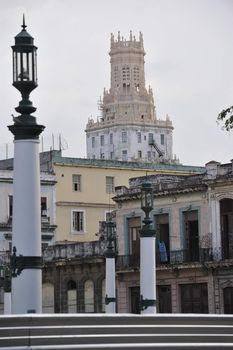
(110, 286)
(147, 254)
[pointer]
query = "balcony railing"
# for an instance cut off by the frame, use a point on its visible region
(170, 258)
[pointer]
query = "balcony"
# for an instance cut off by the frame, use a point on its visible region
(175, 257)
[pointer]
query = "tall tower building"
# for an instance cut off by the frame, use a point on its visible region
(128, 128)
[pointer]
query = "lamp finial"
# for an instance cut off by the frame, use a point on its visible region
(24, 25)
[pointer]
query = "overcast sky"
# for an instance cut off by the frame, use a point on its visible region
(189, 64)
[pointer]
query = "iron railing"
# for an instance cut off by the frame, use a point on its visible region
(171, 258)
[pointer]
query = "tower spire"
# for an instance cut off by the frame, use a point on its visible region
(24, 25)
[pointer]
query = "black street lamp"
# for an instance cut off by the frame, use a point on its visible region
(147, 254)
(25, 80)
(147, 199)
(111, 237)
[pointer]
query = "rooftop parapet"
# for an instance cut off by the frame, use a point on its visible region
(122, 43)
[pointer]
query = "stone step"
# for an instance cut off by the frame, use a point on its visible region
(105, 329)
(113, 338)
(118, 319)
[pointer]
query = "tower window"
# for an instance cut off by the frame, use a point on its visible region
(151, 138)
(124, 137)
(102, 140)
(139, 135)
(124, 155)
(162, 139)
(140, 154)
(111, 139)
(93, 142)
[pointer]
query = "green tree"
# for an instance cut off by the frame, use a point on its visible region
(226, 117)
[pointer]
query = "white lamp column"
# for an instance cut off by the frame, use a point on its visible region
(26, 260)
(147, 254)
(110, 286)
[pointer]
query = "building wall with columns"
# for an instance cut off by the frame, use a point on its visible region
(196, 266)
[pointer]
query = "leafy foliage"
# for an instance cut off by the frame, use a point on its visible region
(226, 116)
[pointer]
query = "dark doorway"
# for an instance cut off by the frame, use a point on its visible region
(134, 226)
(135, 300)
(162, 238)
(164, 298)
(191, 242)
(228, 300)
(194, 298)
(226, 216)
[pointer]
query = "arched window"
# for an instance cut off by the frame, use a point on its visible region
(71, 297)
(228, 300)
(89, 296)
(48, 298)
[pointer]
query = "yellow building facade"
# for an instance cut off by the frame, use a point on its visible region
(85, 187)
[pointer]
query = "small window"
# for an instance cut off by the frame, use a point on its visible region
(111, 155)
(124, 136)
(162, 139)
(110, 184)
(139, 137)
(101, 155)
(108, 215)
(10, 201)
(151, 138)
(149, 155)
(43, 204)
(111, 139)
(93, 142)
(145, 137)
(139, 154)
(102, 140)
(76, 183)
(124, 155)
(77, 221)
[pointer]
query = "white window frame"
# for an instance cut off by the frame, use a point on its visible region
(78, 183)
(83, 231)
(110, 187)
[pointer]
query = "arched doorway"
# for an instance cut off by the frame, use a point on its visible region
(48, 298)
(71, 297)
(226, 219)
(89, 296)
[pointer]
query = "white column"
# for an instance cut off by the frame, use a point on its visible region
(7, 303)
(110, 301)
(27, 287)
(215, 226)
(147, 272)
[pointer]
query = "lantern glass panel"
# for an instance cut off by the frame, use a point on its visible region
(18, 66)
(149, 199)
(14, 66)
(35, 65)
(25, 66)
